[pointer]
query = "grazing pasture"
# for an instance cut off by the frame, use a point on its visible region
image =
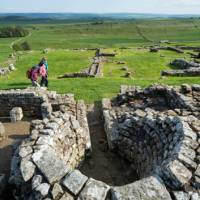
(136, 35)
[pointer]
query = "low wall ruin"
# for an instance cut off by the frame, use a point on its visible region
(156, 129)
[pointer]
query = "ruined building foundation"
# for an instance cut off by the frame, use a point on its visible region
(156, 129)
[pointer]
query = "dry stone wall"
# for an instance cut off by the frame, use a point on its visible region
(184, 68)
(30, 101)
(157, 129)
(58, 143)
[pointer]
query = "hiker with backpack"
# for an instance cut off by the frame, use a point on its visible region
(36, 71)
(33, 75)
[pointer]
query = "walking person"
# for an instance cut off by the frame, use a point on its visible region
(44, 62)
(34, 77)
(44, 76)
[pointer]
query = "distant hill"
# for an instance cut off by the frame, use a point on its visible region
(68, 17)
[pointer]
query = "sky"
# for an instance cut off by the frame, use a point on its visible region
(102, 6)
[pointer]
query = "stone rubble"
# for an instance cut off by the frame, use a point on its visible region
(184, 68)
(6, 70)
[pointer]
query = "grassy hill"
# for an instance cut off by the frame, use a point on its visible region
(114, 35)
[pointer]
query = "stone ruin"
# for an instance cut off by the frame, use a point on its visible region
(58, 143)
(6, 70)
(156, 129)
(170, 48)
(95, 70)
(184, 68)
(184, 64)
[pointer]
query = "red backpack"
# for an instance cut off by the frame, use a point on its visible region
(28, 73)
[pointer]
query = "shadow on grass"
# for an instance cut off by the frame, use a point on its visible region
(20, 85)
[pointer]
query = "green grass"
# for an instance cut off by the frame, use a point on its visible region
(145, 66)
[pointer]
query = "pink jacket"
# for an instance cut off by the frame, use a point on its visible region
(35, 74)
(43, 71)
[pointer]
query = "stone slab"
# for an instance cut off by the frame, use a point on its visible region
(150, 188)
(49, 163)
(75, 181)
(94, 190)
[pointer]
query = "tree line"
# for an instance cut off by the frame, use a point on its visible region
(13, 31)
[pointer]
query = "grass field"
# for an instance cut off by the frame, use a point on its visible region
(145, 66)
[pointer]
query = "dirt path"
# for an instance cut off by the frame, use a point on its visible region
(15, 132)
(18, 40)
(104, 165)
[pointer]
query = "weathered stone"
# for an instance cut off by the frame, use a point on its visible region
(25, 151)
(197, 172)
(150, 188)
(181, 195)
(43, 189)
(11, 67)
(67, 196)
(16, 114)
(50, 164)
(57, 191)
(36, 181)
(75, 124)
(178, 174)
(195, 196)
(94, 190)
(27, 169)
(74, 181)
(46, 110)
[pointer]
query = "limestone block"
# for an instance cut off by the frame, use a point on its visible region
(50, 164)
(94, 190)
(177, 173)
(16, 114)
(27, 169)
(179, 195)
(74, 181)
(150, 188)
(57, 191)
(43, 189)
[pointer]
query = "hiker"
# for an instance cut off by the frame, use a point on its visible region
(44, 62)
(34, 73)
(43, 74)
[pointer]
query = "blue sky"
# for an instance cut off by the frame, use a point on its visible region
(102, 6)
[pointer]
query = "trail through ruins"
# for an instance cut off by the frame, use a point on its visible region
(103, 164)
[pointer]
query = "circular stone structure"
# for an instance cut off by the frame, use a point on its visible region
(156, 129)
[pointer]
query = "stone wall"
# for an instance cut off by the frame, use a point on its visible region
(184, 68)
(184, 72)
(157, 129)
(56, 146)
(29, 100)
